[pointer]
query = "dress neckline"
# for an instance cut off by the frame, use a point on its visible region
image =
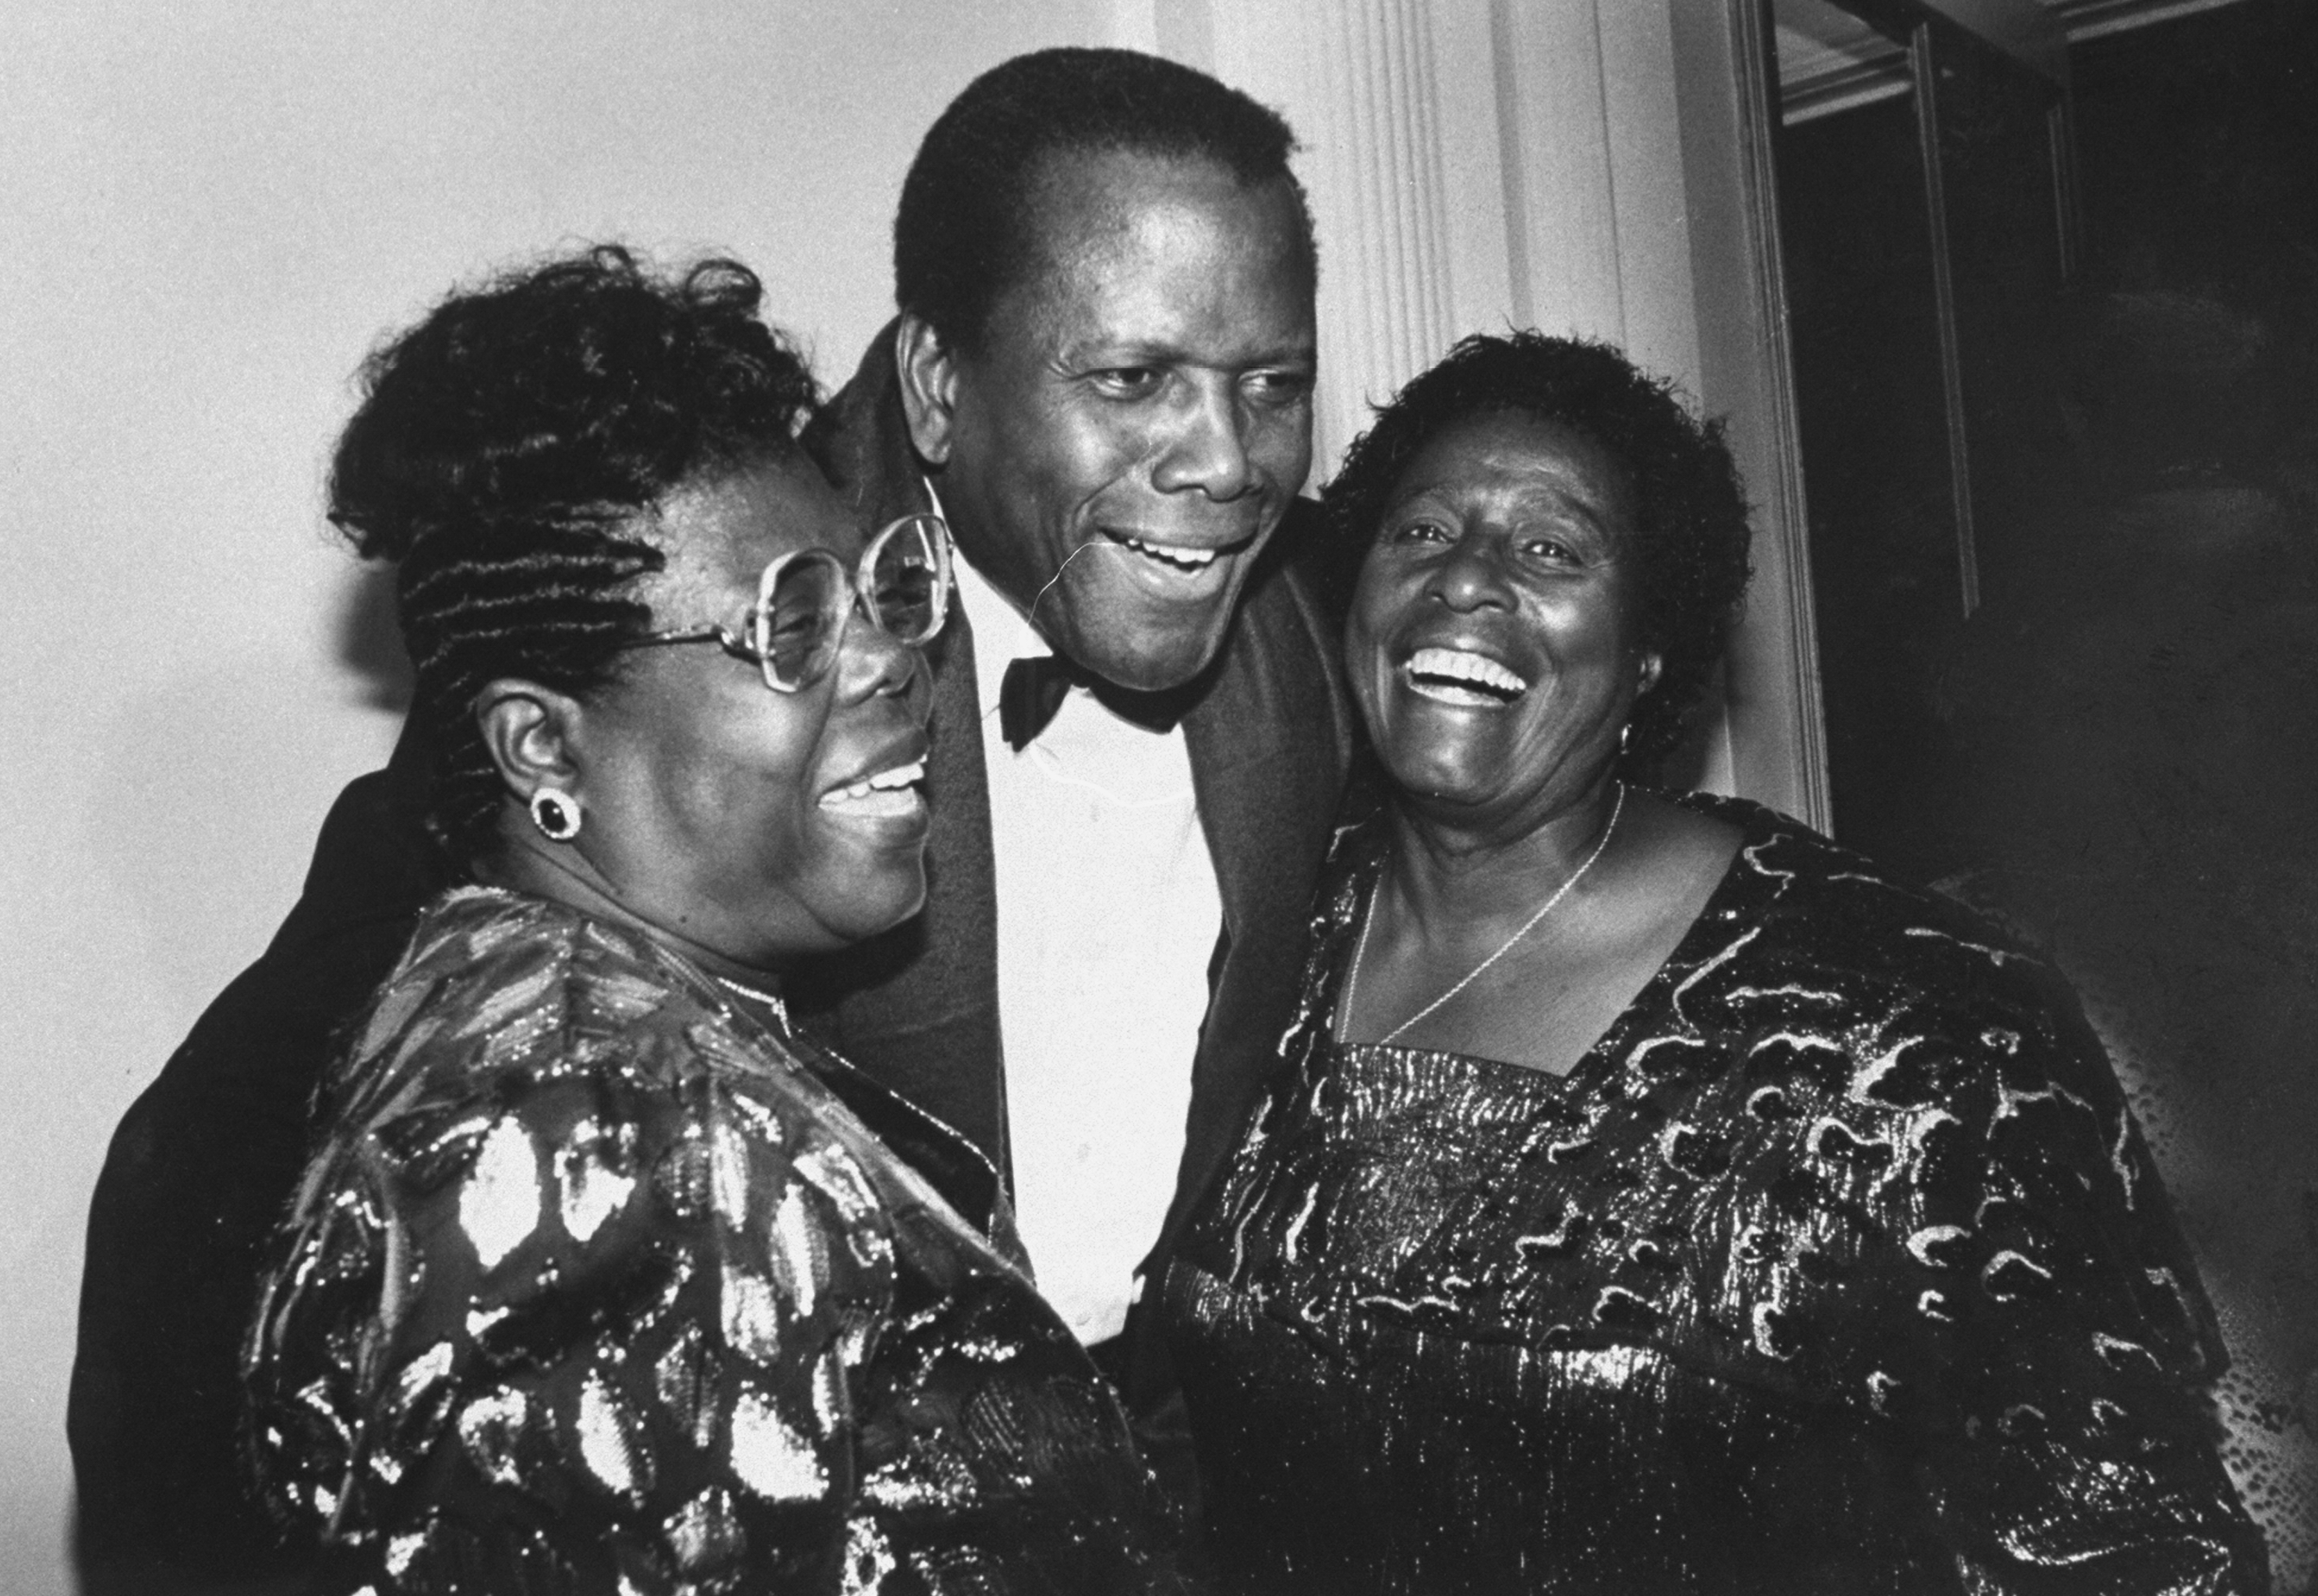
(1390, 1054)
(1756, 824)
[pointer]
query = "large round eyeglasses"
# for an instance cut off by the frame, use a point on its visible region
(805, 598)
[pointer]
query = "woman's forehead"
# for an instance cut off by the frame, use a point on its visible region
(719, 534)
(1511, 457)
(1511, 442)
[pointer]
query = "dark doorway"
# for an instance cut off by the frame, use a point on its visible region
(2063, 513)
(1929, 231)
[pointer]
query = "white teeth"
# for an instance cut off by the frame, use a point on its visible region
(1180, 559)
(900, 779)
(1462, 666)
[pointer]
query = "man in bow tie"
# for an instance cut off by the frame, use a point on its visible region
(1101, 373)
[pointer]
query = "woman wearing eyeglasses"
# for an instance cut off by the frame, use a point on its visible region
(601, 1277)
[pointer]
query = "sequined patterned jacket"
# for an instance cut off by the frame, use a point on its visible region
(1836, 1265)
(594, 1284)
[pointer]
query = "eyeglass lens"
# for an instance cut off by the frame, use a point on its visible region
(800, 623)
(902, 578)
(803, 618)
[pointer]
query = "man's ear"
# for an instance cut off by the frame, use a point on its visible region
(928, 371)
(528, 731)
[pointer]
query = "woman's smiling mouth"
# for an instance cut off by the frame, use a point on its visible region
(1463, 677)
(890, 793)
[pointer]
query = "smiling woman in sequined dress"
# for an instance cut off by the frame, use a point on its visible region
(1655, 1197)
(601, 1279)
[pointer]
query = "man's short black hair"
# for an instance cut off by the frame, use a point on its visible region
(966, 227)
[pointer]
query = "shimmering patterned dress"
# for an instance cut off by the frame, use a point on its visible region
(1835, 1265)
(594, 1284)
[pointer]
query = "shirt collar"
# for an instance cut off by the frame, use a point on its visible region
(1001, 634)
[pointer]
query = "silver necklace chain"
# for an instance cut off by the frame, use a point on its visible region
(771, 1000)
(1367, 920)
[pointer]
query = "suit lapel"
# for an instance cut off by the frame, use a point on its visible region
(916, 1010)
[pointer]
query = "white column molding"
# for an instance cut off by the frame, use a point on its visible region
(1648, 189)
(1775, 731)
(1558, 180)
(1467, 90)
(1356, 79)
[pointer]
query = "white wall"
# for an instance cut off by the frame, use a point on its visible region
(211, 210)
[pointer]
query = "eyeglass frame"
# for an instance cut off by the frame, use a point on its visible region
(858, 600)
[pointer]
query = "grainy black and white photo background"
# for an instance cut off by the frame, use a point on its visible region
(2093, 710)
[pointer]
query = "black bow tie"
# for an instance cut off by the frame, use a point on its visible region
(1032, 691)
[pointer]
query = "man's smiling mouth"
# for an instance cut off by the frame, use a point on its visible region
(1186, 558)
(1463, 677)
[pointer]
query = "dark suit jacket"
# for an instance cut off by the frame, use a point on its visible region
(204, 1162)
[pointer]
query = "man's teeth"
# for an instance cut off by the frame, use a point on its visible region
(1180, 558)
(1463, 667)
(884, 780)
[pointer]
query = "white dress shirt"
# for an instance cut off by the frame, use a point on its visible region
(1108, 914)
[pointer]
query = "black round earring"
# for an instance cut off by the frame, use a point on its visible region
(556, 815)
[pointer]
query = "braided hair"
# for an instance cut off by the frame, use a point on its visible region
(506, 452)
(1691, 529)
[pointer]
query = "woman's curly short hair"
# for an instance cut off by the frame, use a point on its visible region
(1691, 513)
(503, 452)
